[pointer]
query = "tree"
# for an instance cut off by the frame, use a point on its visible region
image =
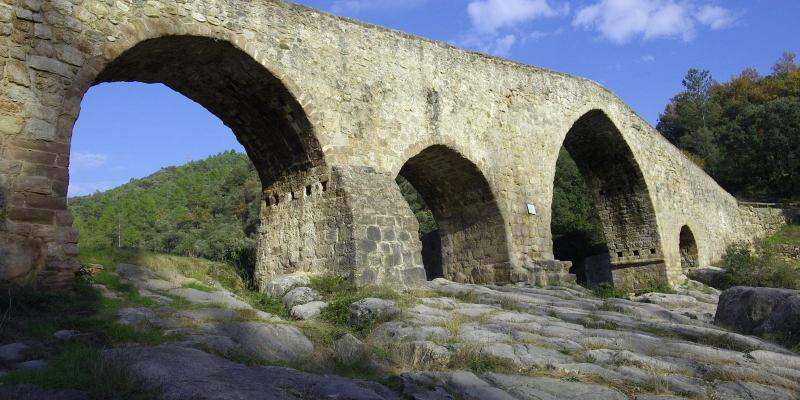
(687, 118)
(746, 131)
(785, 64)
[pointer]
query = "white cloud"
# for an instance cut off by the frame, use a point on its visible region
(79, 160)
(495, 23)
(648, 58)
(488, 16)
(621, 20)
(502, 45)
(715, 17)
(359, 6)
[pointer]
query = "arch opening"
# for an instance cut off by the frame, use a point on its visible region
(262, 112)
(688, 249)
(625, 218)
(469, 244)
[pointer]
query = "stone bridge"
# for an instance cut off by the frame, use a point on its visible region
(330, 111)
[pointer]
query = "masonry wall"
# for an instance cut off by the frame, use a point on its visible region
(373, 97)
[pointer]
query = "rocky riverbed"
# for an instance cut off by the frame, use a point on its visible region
(444, 341)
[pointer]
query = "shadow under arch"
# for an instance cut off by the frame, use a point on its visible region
(471, 227)
(687, 246)
(266, 118)
(621, 198)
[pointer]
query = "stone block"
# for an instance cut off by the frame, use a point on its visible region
(19, 257)
(52, 65)
(33, 184)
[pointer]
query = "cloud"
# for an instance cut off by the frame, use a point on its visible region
(87, 188)
(648, 58)
(79, 160)
(621, 20)
(496, 23)
(488, 16)
(360, 6)
(715, 17)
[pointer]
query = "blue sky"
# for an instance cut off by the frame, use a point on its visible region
(640, 49)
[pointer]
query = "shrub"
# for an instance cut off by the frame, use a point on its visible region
(758, 266)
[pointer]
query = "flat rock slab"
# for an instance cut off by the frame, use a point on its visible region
(269, 342)
(208, 314)
(13, 352)
(548, 388)
(195, 296)
(180, 373)
(32, 392)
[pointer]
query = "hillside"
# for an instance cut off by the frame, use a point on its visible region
(206, 208)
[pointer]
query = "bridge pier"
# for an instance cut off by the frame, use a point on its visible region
(348, 220)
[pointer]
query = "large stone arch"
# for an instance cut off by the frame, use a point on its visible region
(688, 250)
(471, 226)
(258, 107)
(622, 199)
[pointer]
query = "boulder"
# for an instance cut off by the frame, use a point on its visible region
(279, 286)
(348, 349)
(269, 342)
(32, 364)
(768, 312)
(13, 352)
(711, 276)
(300, 295)
(370, 309)
(309, 311)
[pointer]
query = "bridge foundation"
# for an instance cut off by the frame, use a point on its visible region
(348, 220)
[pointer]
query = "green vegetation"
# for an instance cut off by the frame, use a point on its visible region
(758, 266)
(418, 206)
(576, 227)
(745, 132)
(205, 208)
(79, 366)
(788, 234)
(340, 293)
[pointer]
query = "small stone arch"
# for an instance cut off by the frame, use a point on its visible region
(471, 226)
(622, 199)
(687, 246)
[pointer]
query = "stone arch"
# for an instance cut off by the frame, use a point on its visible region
(260, 108)
(687, 246)
(471, 226)
(622, 199)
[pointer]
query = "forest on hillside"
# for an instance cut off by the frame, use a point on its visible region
(745, 133)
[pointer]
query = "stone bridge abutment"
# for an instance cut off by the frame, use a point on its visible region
(330, 111)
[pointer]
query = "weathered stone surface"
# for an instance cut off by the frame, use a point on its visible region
(32, 392)
(331, 204)
(193, 374)
(276, 343)
(13, 352)
(711, 276)
(308, 311)
(348, 349)
(19, 257)
(299, 296)
(761, 311)
(200, 297)
(749, 390)
(32, 364)
(370, 309)
(544, 388)
(279, 286)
